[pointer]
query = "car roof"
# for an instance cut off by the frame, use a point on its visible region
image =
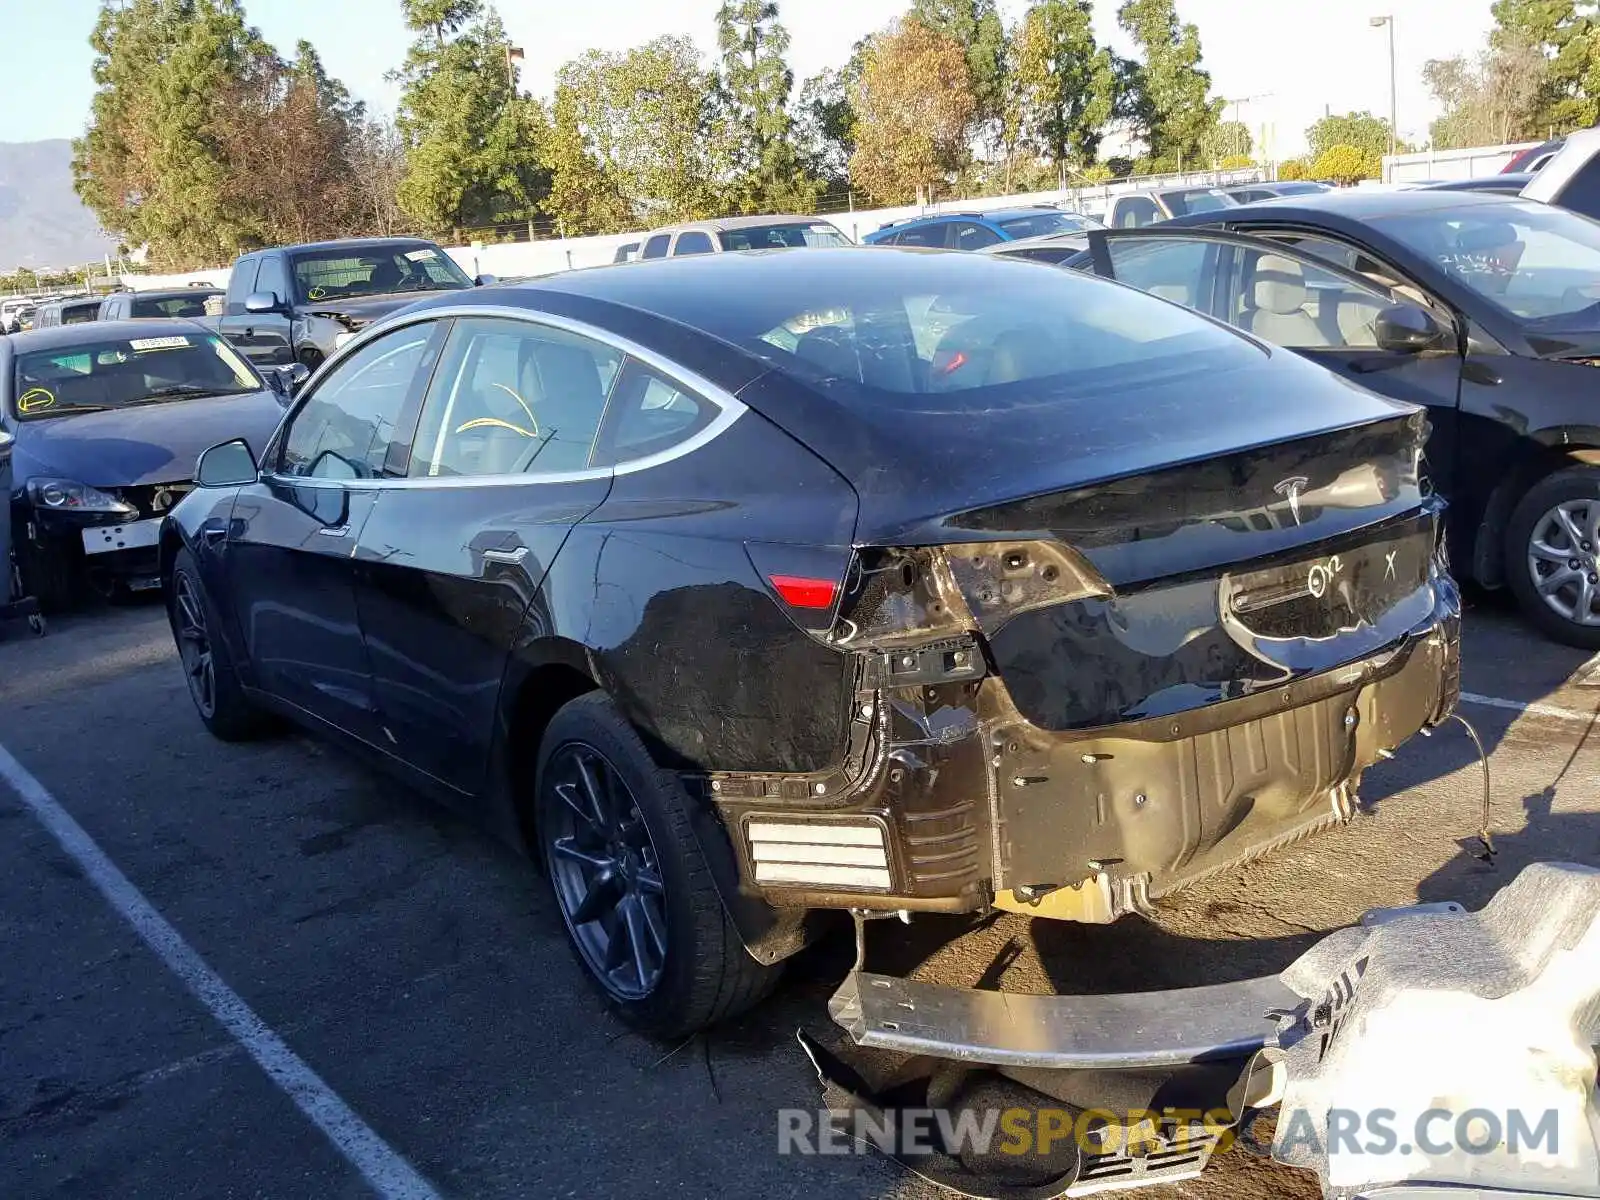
(1360, 204)
(167, 293)
(717, 224)
(61, 337)
(365, 243)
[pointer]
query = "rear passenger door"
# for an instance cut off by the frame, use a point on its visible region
(1295, 300)
(501, 468)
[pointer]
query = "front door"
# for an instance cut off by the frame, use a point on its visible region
(294, 533)
(1297, 301)
(499, 473)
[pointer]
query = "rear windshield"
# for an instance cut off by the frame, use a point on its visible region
(374, 271)
(1194, 200)
(954, 332)
(187, 305)
(776, 237)
(1042, 224)
(104, 373)
(80, 314)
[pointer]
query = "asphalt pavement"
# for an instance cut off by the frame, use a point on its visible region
(416, 971)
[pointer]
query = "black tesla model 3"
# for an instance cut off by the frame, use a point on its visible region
(745, 587)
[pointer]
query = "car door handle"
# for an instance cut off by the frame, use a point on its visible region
(213, 533)
(506, 556)
(335, 531)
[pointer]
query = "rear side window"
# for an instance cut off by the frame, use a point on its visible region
(969, 235)
(1136, 211)
(650, 413)
(656, 247)
(171, 306)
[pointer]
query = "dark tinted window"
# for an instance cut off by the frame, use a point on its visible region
(241, 282)
(346, 427)
(651, 414)
(1251, 195)
(510, 397)
(693, 242)
(656, 247)
(1041, 224)
(791, 235)
(931, 234)
(969, 235)
(188, 305)
(1582, 193)
(1195, 200)
(80, 313)
(1135, 211)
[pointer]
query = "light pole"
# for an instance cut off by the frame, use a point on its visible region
(1379, 23)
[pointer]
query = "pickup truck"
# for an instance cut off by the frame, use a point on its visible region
(299, 304)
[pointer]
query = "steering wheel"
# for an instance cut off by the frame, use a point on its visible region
(497, 423)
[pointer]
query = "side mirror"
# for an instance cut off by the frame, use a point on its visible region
(289, 379)
(1406, 329)
(262, 302)
(229, 464)
(486, 280)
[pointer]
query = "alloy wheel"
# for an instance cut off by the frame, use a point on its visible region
(606, 872)
(194, 644)
(1564, 560)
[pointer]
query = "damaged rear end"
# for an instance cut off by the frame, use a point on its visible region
(1071, 701)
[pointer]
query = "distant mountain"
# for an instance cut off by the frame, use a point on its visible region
(42, 221)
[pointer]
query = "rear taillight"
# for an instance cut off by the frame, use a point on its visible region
(799, 592)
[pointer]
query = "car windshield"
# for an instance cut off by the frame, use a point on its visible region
(338, 274)
(775, 237)
(1197, 200)
(1535, 261)
(101, 373)
(1042, 224)
(189, 304)
(932, 337)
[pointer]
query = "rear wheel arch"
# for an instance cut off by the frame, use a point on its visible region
(541, 690)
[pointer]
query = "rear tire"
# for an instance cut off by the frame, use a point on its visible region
(624, 862)
(219, 698)
(1553, 556)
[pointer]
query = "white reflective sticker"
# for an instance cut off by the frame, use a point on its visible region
(161, 343)
(419, 255)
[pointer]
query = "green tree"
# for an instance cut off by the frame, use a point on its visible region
(1169, 94)
(1365, 132)
(1228, 139)
(758, 134)
(914, 105)
(1066, 86)
(631, 139)
(1487, 101)
(1566, 33)
(473, 144)
(1344, 164)
(150, 166)
(976, 27)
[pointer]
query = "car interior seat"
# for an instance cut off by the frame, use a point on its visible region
(1276, 309)
(570, 400)
(832, 350)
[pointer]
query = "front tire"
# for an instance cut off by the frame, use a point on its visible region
(1553, 556)
(214, 686)
(634, 889)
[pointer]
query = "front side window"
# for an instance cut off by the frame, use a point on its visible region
(274, 278)
(241, 282)
(1181, 270)
(1537, 262)
(347, 426)
(102, 373)
(930, 234)
(513, 397)
(1197, 200)
(1136, 211)
(1300, 306)
(337, 274)
(969, 235)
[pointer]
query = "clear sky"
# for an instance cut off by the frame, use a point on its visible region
(1295, 56)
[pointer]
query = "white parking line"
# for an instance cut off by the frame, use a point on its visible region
(1538, 710)
(390, 1175)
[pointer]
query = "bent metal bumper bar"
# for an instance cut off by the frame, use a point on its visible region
(1139, 1029)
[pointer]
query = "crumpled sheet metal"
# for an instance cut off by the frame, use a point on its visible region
(1497, 1010)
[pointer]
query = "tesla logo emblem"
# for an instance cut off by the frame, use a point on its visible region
(1388, 564)
(1321, 575)
(1290, 490)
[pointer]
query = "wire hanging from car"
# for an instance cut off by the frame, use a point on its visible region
(1487, 849)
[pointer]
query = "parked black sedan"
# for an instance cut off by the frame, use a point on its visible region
(104, 423)
(750, 585)
(1482, 307)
